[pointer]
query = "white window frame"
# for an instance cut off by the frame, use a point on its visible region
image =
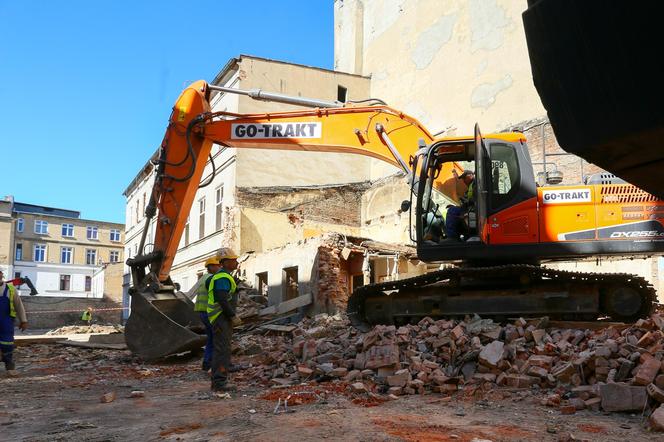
(92, 233)
(68, 227)
(20, 225)
(201, 218)
(41, 247)
(114, 256)
(71, 255)
(88, 253)
(88, 283)
(43, 227)
(218, 208)
(17, 256)
(115, 233)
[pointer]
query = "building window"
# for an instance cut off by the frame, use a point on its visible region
(186, 233)
(65, 282)
(290, 285)
(143, 207)
(19, 252)
(40, 252)
(88, 283)
(41, 227)
(90, 257)
(261, 283)
(341, 93)
(65, 255)
(19, 225)
(201, 218)
(68, 230)
(218, 207)
(114, 256)
(128, 252)
(115, 235)
(137, 212)
(93, 232)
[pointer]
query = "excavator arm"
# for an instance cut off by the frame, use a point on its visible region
(375, 131)
(17, 282)
(162, 320)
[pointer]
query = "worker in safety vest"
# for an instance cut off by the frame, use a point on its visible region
(221, 314)
(87, 316)
(212, 265)
(11, 307)
(454, 221)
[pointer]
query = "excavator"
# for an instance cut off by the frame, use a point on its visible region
(18, 282)
(495, 268)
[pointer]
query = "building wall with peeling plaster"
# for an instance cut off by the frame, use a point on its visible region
(448, 64)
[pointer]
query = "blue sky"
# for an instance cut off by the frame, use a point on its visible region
(87, 86)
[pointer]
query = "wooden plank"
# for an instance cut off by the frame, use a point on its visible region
(36, 339)
(287, 306)
(589, 325)
(278, 328)
(93, 345)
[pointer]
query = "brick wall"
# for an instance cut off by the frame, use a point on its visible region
(69, 311)
(329, 204)
(331, 294)
(541, 140)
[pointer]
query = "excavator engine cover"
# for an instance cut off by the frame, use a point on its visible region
(162, 324)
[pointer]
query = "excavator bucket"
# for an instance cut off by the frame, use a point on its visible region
(162, 324)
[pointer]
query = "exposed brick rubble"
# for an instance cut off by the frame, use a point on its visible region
(611, 369)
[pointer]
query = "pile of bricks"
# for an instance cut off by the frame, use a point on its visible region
(612, 369)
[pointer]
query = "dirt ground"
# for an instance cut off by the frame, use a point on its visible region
(57, 398)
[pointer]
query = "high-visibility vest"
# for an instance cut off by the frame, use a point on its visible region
(202, 295)
(470, 191)
(86, 316)
(12, 291)
(213, 308)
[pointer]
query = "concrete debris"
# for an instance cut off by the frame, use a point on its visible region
(107, 397)
(86, 329)
(616, 368)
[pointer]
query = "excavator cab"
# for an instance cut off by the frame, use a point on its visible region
(503, 178)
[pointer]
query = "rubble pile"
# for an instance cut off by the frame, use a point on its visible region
(618, 368)
(84, 329)
(249, 300)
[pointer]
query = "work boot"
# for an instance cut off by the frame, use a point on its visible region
(11, 369)
(219, 388)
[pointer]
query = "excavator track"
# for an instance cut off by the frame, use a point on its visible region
(503, 292)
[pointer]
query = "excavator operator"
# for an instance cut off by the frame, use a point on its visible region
(221, 287)
(455, 225)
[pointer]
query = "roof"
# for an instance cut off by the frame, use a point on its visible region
(218, 79)
(44, 210)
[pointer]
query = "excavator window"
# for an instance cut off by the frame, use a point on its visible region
(505, 175)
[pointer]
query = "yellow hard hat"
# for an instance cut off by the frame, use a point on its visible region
(227, 253)
(212, 261)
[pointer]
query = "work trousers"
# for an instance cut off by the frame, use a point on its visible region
(6, 332)
(222, 331)
(454, 222)
(207, 355)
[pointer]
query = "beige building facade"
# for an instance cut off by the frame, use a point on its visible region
(63, 254)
